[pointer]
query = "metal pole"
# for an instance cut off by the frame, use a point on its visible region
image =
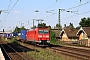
(38, 21)
(33, 22)
(59, 20)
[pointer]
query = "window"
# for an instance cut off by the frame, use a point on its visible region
(43, 31)
(40, 31)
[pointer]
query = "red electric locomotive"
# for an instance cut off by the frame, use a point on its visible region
(39, 35)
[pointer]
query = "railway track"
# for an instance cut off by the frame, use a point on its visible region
(81, 54)
(10, 53)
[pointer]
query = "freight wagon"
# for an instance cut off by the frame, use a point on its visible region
(23, 35)
(14, 34)
(7, 35)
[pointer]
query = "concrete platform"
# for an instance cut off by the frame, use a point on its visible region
(1, 55)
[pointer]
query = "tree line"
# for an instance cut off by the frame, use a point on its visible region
(85, 22)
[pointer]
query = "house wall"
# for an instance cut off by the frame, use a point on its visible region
(83, 39)
(82, 36)
(85, 42)
(64, 37)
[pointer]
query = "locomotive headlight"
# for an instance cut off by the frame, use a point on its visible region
(40, 41)
(47, 36)
(48, 41)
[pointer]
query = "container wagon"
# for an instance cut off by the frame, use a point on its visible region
(23, 35)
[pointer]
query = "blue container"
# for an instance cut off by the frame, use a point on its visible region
(15, 33)
(23, 34)
(8, 35)
(5, 35)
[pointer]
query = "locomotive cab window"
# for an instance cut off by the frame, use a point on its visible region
(43, 31)
(40, 31)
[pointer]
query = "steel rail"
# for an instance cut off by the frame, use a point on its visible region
(69, 52)
(6, 53)
(14, 51)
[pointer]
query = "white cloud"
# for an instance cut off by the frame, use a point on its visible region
(17, 11)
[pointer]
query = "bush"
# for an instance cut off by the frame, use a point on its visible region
(52, 36)
(14, 41)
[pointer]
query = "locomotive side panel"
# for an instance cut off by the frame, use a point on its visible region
(30, 35)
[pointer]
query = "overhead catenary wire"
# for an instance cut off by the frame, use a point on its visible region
(77, 14)
(70, 8)
(47, 8)
(78, 5)
(7, 10)
(71, 16)
(48, 16)
(73, 8)
(9, 5)
(53, 5)
(10, 11)
(13, 6)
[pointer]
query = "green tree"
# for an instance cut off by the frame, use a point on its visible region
(78, 27)
(85, 22)
(42, 25)
(71, 25)
(17, 29)
(49, 27)
(65, 25)
(52, 35)
(57, 25)
(22, 28)
(33, 27)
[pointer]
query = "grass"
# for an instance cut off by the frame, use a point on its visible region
(44, 55)
(40, 54)
(56, 42)
(12, 40)
(21, 43)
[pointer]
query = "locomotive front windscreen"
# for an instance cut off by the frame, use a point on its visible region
(43, 31)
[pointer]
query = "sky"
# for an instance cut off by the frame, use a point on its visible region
(22, 12)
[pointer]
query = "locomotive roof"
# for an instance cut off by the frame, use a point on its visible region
(36, 29)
